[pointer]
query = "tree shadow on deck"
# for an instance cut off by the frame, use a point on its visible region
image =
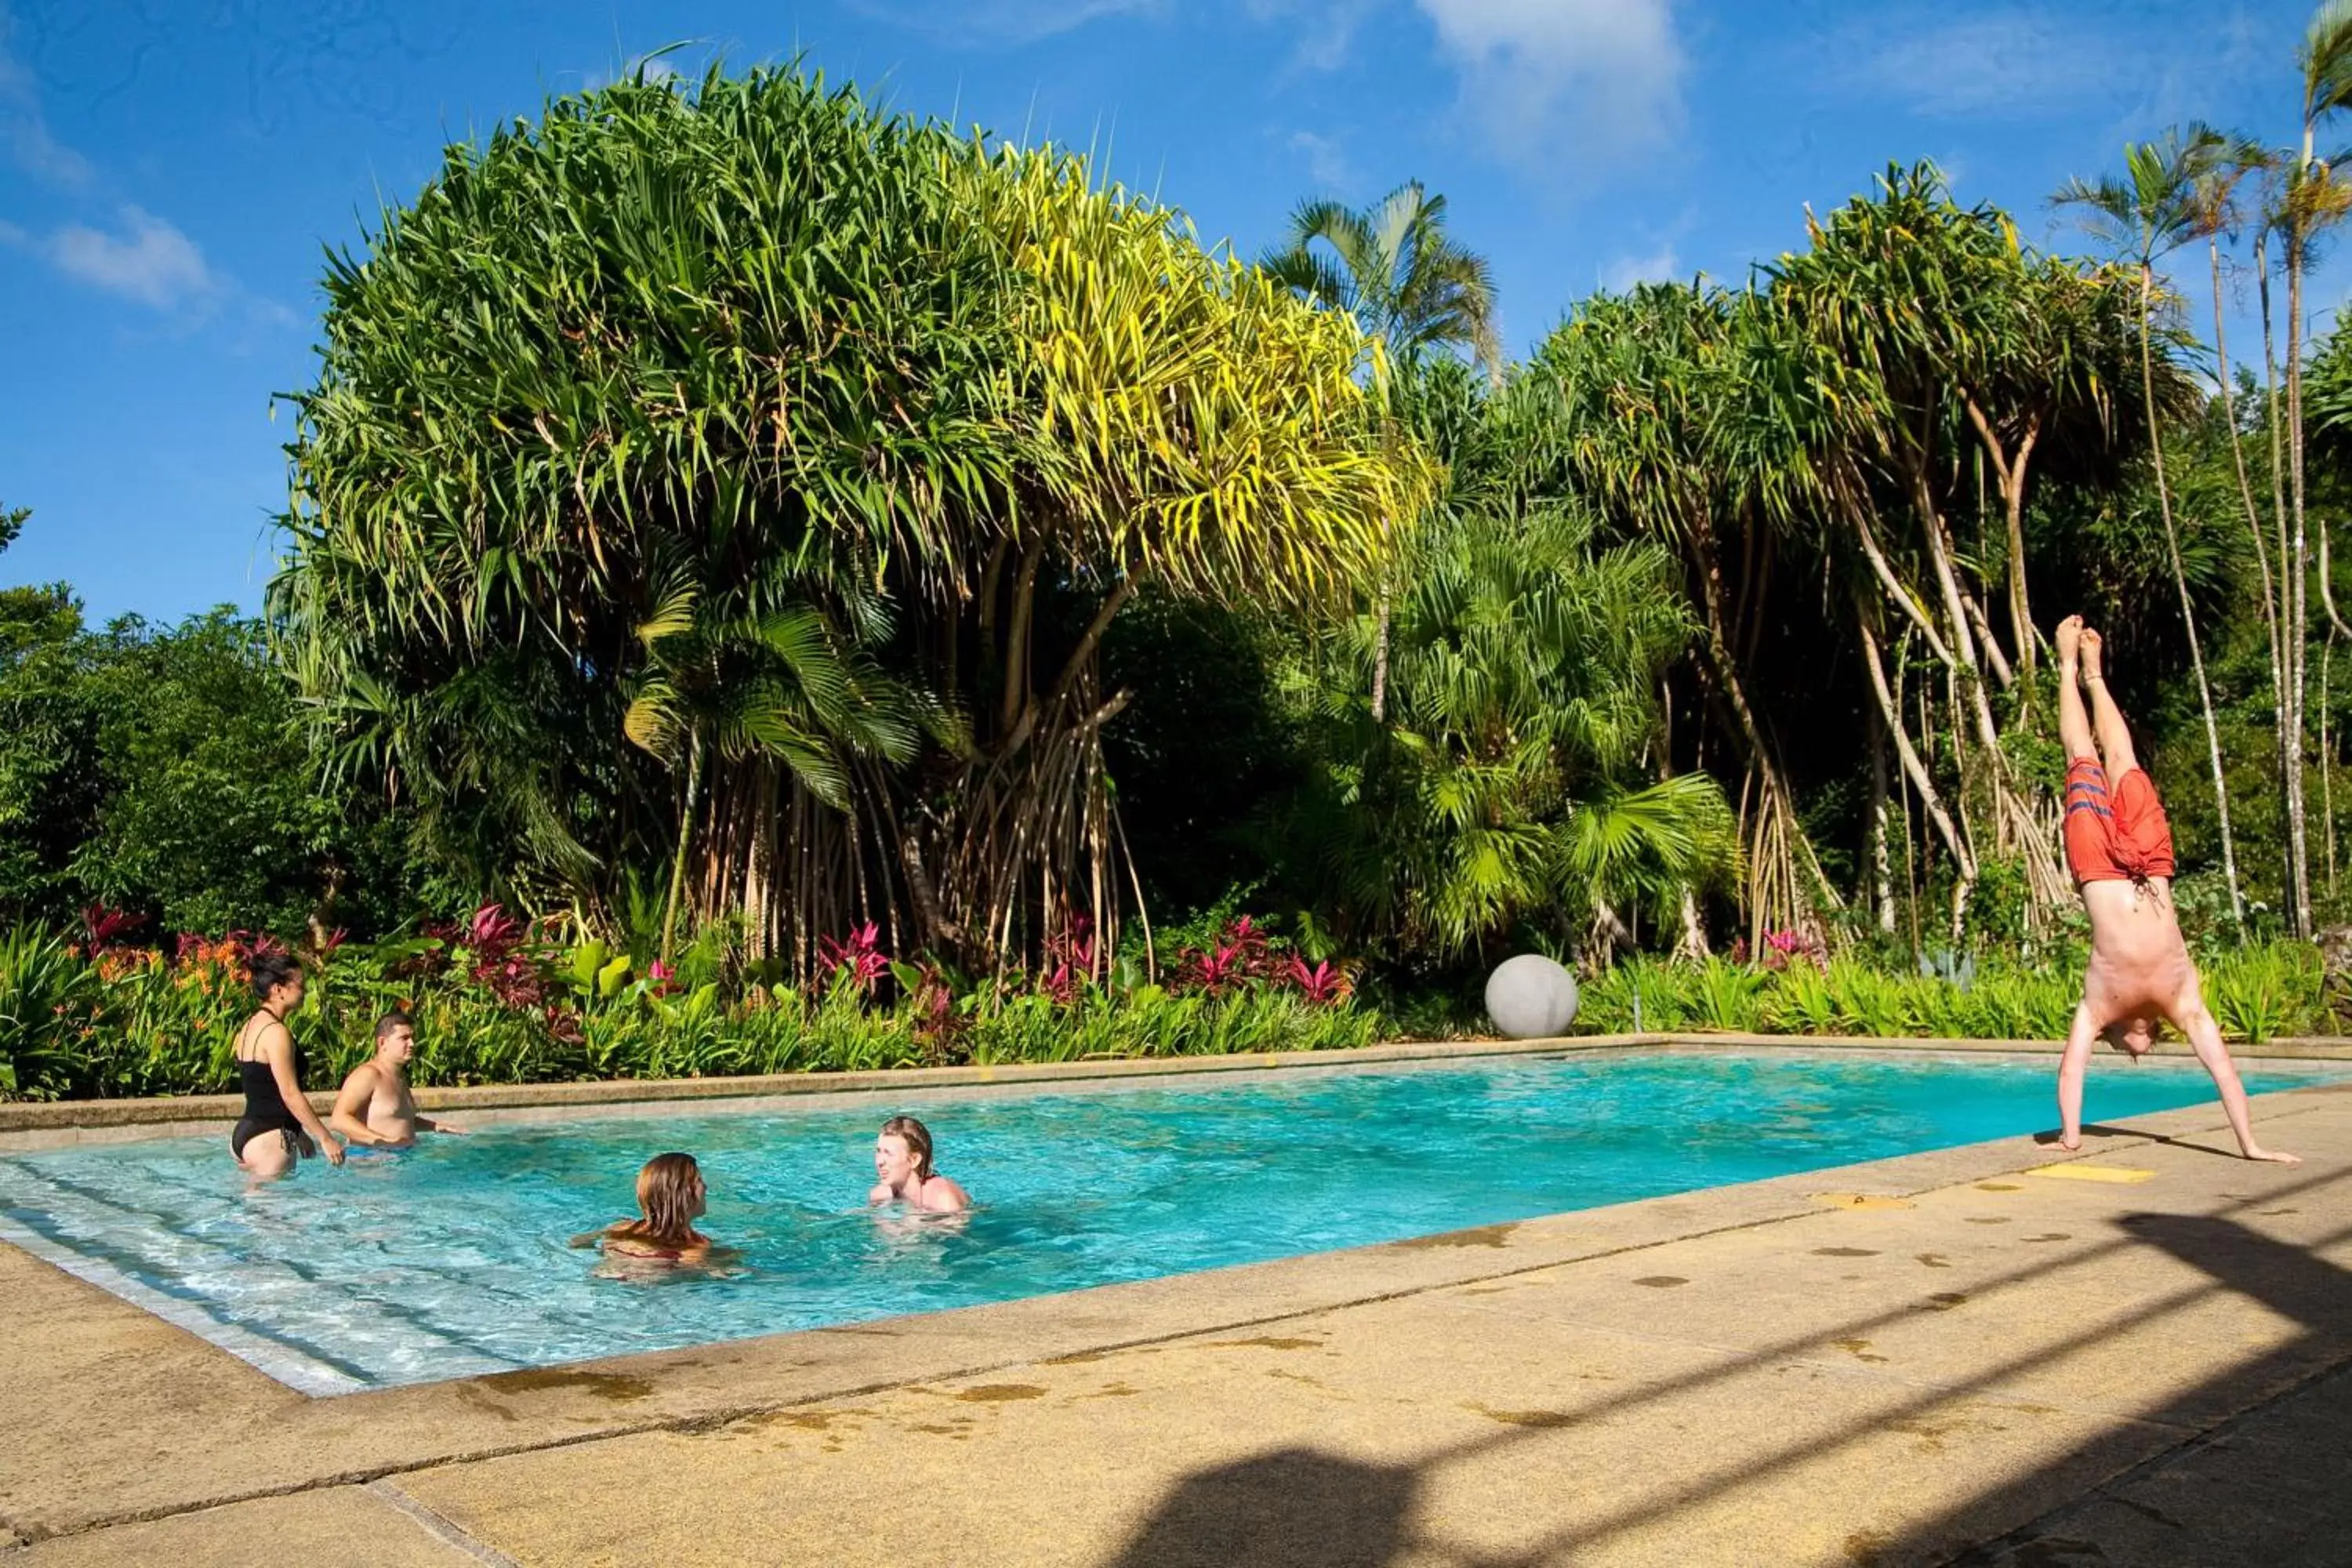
(1300, 1508)
(1296, 1507)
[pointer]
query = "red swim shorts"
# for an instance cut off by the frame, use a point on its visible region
(2117, 837)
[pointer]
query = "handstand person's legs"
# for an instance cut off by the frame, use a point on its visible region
(2073, 722)
(2115, 735)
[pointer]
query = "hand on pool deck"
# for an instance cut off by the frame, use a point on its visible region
(2119, 850)
(902, 1169)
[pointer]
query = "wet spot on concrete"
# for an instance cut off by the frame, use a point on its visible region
(1934, 1260)
(1867, 1548)
(936, 1429)
(1271, 1342)
(1485, 1236)
(1111, 1391)
(1945, 1301)
(2001, 1186)
(1988, 1219)
(2052, 1235)
(1858, 1349)
(2274, 1214)
(1001, 1393)
(1547, 1418)
(1661, 1282)
(483, 1402)
(601, 1385)
(1843, 1252)
(807, 1420)
(1075, 1358)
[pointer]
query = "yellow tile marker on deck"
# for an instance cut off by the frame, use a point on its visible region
(2076, 1172)
(1861, 1201)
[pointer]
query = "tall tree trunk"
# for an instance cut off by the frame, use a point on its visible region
(2245, 488)
(1380, 661)
(2180, 583)
(685, 843)
(2298, 567)
(2009, 474)
(1914, 767)
(1882, 870)
(1778, 831)
(2294, 868)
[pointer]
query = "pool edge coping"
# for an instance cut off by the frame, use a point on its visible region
(29, 1125)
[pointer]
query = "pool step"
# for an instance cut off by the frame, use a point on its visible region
(318, 1318)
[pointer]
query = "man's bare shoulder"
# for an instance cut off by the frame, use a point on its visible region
(364, 1073)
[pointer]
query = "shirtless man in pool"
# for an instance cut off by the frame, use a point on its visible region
(2119, 848)
(375, 1110)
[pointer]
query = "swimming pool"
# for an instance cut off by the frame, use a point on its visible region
(451, 1260)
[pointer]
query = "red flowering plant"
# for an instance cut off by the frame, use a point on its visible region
(856, 959)
(502, 960)
(1239, 955)
(1069, 961)
(1324, 985)
(1784, 949)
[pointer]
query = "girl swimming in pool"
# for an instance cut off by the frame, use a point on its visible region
(902, 1169)
(670, 1198)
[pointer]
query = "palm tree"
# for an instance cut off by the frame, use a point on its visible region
(1393, 268)
(784, 686)
(2156, 208)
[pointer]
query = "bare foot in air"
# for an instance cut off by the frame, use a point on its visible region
(2093, 646)
(2069, 638)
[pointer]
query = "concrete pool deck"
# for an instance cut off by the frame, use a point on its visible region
(1991, 1355)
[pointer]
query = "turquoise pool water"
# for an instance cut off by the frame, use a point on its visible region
(452, 1259)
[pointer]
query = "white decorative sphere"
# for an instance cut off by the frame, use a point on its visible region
(1530, 997)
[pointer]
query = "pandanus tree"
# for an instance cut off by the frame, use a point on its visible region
(689, 473)
(2160, 204)
(1908, 335)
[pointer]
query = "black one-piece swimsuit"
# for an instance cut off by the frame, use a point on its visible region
(266, 1111)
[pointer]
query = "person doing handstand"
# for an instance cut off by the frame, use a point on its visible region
(2119, 848)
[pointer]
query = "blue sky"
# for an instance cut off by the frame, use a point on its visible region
(170, 172)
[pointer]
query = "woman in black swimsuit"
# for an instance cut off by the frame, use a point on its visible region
(278, 1127)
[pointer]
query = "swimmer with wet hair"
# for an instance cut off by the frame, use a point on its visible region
(2119, 848)
(903, 1172)
(670, 1198)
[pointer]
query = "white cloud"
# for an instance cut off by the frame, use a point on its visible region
(2005, 62)
(1327, 28)
(997, 21)
(1557, 83)
(1660, 265)
(2160, 61)
(1326, 163)
(149, 261)
(25, 131)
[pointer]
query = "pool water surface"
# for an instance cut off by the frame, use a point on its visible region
(452, 1259)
